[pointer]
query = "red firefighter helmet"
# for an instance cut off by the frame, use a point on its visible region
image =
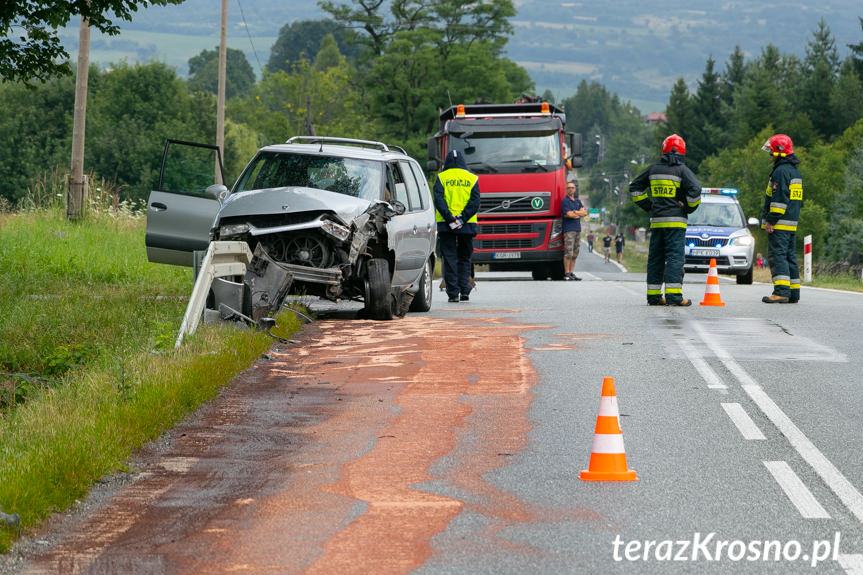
(779, 145)
(674, 143)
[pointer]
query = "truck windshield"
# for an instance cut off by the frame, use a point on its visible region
(348, 176)
(516, 150)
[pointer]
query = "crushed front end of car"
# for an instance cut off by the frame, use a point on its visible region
(321, 238)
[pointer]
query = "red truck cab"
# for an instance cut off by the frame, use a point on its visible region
(520, 153)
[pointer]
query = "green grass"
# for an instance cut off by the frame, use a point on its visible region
(88, 373)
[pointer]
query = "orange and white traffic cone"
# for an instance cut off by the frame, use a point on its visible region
(711, 292)
(607, 456)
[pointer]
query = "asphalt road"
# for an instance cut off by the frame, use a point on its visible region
(452, 443)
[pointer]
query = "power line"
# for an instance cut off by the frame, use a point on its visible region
(252, 44)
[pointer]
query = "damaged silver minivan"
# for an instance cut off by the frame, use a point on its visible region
(348, 219)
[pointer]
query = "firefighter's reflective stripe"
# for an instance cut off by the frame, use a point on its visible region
(664, 186)
(457, 185)
(782, 281)
(653, 289)
(674, 288)
(787, 225)
(795, 189)
(693, 203)
(778, 207)
(795, 283)
(638, 196)
(670, 222)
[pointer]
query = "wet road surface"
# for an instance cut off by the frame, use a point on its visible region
(319, 458)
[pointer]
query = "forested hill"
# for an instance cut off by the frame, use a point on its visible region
(636, 49)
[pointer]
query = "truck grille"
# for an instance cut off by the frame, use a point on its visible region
(513, 244)
(699, 242)
(514, 203)
(488, 229)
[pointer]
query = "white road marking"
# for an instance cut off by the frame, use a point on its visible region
(713, 380)
(741, 419)
(853, 564)
(796, 491)
(844, 489)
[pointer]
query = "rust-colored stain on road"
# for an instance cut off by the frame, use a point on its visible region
(332, 457)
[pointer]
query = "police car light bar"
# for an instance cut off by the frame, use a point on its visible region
(722, 191)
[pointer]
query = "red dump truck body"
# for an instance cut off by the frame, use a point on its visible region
(520, 154)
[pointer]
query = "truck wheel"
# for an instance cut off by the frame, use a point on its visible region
(745, 278)
(539, 272)
(380, 302)
(556, 271)
(423, 298)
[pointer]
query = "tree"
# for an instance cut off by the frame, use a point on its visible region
(856, 56)
(134, 108)
(30, 48)
(204, 72)
(708, 130)
(304, 39)
(35, 132)
(329, 55)
(820, 72)
(846, 99)
(680, 113)
(281, 104)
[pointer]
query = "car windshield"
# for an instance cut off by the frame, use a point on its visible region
(348, 176)
(725, 215)
(510, 150)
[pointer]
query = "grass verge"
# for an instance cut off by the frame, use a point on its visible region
(88, 373)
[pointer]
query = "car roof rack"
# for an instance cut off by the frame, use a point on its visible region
(344, 141)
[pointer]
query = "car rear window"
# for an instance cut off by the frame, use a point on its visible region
(348, 176)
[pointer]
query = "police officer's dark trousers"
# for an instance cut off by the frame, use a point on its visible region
(783, 264)
(665, 265)
(457, 251)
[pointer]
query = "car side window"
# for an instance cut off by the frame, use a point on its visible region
(422, 182)
(400, 192)
(416, 203)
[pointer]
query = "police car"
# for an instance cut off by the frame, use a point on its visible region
(718, 229)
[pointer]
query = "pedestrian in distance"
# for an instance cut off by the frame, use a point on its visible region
(618, 247)
(606, 246)
(456, 201)
(759, 261)
(782, 201)
(572, 210)
(669, 192)
(591, 237)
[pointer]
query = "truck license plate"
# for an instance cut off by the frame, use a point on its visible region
(709, 253)
(507, 255)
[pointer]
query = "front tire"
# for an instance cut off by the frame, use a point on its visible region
(380, 301)
(746, 278)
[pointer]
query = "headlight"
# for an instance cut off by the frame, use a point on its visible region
(338, 231)
(743, 241)
(556, 228)
(233, 230)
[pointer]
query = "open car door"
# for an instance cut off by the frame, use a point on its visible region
(182, 208)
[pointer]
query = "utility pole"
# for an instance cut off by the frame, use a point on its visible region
(220, 104)
(77, 192)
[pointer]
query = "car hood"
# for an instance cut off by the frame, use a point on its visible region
(711, 231)
(292, 200)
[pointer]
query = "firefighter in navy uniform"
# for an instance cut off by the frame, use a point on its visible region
(456, 201)
(779, 216)
(669, 191)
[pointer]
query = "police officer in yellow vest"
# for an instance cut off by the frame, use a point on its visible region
(456, 200)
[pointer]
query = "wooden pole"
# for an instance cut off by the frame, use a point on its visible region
(77, 191)
(220, 105)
